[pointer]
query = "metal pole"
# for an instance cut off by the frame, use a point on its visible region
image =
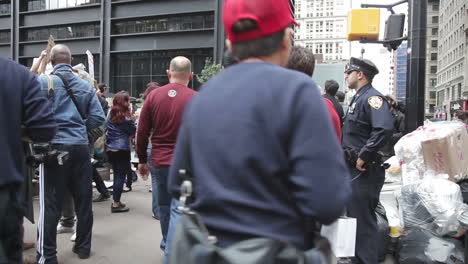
(416, 67)
(104, 67)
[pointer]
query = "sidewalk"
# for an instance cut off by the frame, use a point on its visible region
(117, 238)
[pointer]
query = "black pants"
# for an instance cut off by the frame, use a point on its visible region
(11, 226)
(100, 186)
(120, 161)
(68, 210)
(366, 192)
(75, 175)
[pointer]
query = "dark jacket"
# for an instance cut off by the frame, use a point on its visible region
(368, 125)
(22, 103)
(262, 165)
(337, 105)
(398, 132)
(118, 135)
(104, 104)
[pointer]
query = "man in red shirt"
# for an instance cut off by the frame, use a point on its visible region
(160, 118)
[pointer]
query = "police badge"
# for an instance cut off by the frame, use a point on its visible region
(375, 102)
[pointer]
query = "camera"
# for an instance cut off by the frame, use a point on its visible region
(44, 153)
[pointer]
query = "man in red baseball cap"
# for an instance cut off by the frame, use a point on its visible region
(264, 156)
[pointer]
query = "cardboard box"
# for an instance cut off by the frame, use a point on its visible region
(447, 152)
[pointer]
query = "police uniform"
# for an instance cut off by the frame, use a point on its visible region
(367, 127)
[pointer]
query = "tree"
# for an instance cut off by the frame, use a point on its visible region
(208, 71)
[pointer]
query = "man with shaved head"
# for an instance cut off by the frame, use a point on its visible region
(160, 118)
(77, 110)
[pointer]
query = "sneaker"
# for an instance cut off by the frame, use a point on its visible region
(80, 254)
(73, 237)
(64, 229)
(122, 208)
(127, 189)
(101, 198)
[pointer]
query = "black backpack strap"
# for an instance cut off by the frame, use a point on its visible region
(70, 93)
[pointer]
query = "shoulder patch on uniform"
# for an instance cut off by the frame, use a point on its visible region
(375, 102)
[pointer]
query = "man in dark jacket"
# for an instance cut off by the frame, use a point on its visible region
(23, 104)
(331, 88)
(261, 167)
(103, 88)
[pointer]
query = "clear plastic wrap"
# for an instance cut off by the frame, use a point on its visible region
(393, 173)
(433, 149)
(408, 150)
(433, 204)
(419, 246)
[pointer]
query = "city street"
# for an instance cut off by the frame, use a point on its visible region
(117, 238)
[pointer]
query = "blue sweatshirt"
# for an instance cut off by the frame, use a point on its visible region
(264, 155)
(22, 103)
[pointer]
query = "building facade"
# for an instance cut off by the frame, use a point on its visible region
(132, 41)
(323, 28)
(400, 72)
(432, 36)
(452, 88)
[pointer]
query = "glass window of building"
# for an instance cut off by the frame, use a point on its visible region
(434, 43)
(35, 5)
(433, 56)
(5, 37)
(61, 32)
(434, 31)
(5, 7)
(164, 23)
(433, 69)
(435, 19)
(432, 95)
(132, 71)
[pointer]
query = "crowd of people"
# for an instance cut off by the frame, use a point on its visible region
(268, 155)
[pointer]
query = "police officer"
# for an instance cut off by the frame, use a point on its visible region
(367, 127)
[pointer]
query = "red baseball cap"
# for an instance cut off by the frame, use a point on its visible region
(271, 17)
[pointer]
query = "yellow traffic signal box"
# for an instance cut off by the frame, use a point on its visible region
(364, 24)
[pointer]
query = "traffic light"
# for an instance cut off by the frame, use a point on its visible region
(363, 24)
(393, 30)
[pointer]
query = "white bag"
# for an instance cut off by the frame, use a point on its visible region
(342, 236)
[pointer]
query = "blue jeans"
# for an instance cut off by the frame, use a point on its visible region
(120, 161)
(155, 193)
(175, 215)
(164, 200)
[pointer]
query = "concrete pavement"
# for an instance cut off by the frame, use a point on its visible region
(123, 238)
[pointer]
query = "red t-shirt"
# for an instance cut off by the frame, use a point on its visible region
(334, 117)
(162, 114)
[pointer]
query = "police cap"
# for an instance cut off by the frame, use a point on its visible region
(365, 66)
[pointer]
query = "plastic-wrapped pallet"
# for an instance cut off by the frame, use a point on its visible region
(408, 150)
(445, 149)
(434, 204)
(433, 149)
